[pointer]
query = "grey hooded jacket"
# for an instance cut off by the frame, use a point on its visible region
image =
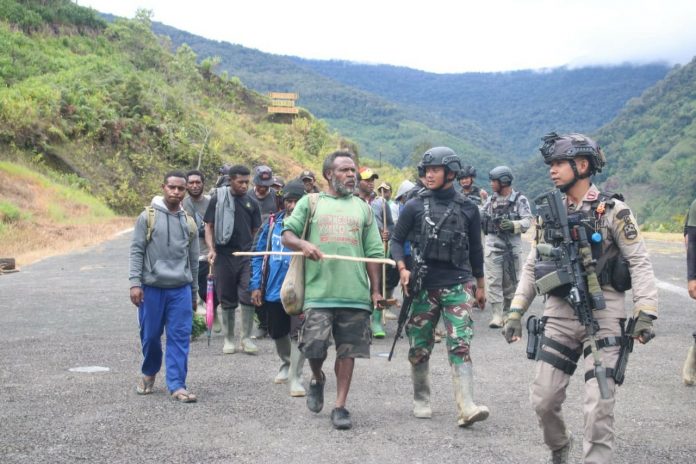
(170, 258)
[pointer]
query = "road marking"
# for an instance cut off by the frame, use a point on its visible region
(681, 291)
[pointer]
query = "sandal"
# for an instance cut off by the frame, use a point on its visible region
(145, 386)
(183, 396)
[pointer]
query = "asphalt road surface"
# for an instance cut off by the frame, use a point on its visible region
(73, 311)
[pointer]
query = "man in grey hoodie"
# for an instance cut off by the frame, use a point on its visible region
(163, 263)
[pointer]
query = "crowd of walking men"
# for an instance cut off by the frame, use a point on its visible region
(456, 248)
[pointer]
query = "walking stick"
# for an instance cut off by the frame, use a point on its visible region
(358, 259)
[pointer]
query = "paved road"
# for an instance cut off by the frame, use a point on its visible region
(73, 310)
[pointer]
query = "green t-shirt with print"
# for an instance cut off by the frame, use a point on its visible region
(341, 226)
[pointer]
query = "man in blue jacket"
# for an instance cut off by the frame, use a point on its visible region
(163, 263)
(267, 275)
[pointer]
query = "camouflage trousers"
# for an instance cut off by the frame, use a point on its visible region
(454, 304)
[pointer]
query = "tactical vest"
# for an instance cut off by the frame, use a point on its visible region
(445, 227)
(611, 267)
(474, 195)
(502, 210)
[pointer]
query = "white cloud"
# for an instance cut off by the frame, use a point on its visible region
(441, 35)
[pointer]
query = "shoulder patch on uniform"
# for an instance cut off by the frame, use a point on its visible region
(592, 195)
(623, 213)
(629, 228)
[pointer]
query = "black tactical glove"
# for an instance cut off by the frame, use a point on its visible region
(512, 330)
(507, 225)
(643, 328)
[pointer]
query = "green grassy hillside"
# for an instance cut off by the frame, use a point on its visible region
(112, 106)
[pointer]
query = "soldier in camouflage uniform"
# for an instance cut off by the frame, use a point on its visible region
(617, 242)
(506, 216)
(444, 230)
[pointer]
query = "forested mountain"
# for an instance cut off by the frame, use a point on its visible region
(651, 149)
(497, 115)
(513, 108)
(113, 108)
(396, 131)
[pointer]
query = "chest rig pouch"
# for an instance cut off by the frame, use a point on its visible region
(502, 210)
(611, 268)
(445, 226)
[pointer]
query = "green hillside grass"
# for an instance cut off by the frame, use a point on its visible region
(114, 107)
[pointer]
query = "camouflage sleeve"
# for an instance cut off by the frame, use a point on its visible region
(525, 213)
(525, 292)
(627, 237)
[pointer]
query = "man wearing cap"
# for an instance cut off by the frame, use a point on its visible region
(263, 193)
(391, 274)
(266, 196)
(366, 184)
(265, 292)
(309, 181)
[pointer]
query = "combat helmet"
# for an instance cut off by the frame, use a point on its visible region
(568, 146)
(441, 156)
(467, 171)
(502, 174)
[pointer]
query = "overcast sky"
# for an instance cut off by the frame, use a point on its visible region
(441, 35)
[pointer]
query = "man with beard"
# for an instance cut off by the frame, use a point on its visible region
(195, 205)
(445, 233)
(339, 294)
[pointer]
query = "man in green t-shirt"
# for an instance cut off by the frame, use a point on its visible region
(339, 295)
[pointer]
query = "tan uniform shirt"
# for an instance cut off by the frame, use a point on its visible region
(618, 228)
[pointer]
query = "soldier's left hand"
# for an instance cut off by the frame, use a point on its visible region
(643, 330)
(507, 225)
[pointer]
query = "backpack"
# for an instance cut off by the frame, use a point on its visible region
(193, 228)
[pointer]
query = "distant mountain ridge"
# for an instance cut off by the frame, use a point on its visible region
(489, 117)
(517, 107)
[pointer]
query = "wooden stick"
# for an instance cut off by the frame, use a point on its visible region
(391, 262)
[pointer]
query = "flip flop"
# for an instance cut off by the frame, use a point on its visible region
(145, 387)
(183, 396)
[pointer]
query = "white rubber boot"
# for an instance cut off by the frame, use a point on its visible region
(297, 360)
(497, 319)
(283, 349)
(463, 378)
(248, 346)
(420, 374)
(228, 330)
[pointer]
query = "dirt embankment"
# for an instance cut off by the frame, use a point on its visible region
(40, 218)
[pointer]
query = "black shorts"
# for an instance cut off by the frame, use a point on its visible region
(232, 275)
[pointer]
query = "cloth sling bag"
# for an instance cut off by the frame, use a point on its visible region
(292, 291)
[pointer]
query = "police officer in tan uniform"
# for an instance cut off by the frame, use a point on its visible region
(572, 159)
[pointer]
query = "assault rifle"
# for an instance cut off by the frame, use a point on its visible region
(420, 269)
(576, 268)
(508, 256)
